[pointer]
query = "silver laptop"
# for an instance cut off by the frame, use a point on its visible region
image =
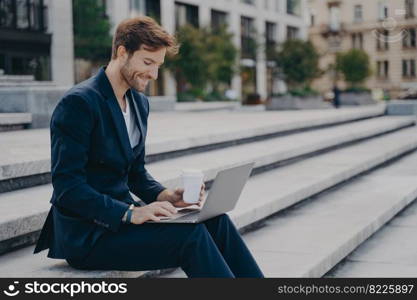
(223, 196)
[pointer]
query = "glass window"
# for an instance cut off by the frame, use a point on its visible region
(358, 14)
(292, 32)
(218, 19)
(185, 14)
(409, 8)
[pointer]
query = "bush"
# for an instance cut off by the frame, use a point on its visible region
(354, 65)
(206, 59)
(303, 92)
(299, 62)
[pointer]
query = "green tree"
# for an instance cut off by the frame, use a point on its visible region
(220, 57)
(92, 40)
(298, 61)
(354, 65)
(205, 59)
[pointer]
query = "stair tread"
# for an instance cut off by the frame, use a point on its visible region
(272, 192)
(32, 203)
(27, 152)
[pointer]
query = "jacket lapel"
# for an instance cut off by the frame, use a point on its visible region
(116, 113)
(121, 129)
(138, 119)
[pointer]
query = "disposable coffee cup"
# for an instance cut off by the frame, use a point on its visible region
(192, 181)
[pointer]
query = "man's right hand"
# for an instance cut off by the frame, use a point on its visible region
(151, 212)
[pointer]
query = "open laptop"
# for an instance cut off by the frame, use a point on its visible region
(223, 196)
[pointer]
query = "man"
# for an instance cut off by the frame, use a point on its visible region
(98, 133)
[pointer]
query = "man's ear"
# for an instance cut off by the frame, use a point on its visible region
(121, 52)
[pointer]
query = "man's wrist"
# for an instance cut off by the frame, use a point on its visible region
(126, 217)
(165, 195)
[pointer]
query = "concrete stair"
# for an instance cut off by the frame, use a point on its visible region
(312, 237)
(14, 121)
(26, 161)
(334, 156)
(26, 208)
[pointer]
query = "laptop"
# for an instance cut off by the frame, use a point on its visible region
(222, 197)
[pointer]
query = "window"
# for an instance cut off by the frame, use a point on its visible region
(137, 6)
(312, 20)
(294, 7)
(409, 38)
(251, 2)
(409, 9)
(357, 14)
(270, 37)
(23, 15)
(382, 10)
(218, 19)
(334, 18)
(357, 40)
(382, 41)
(185, 14)
(383, 69)
(292, 32)
(248, 42)
(149, 8)
(409, 68)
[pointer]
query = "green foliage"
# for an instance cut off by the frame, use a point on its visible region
(92, 39)
(299, 62)
(354, 65)
(205, 59)
(304, 92)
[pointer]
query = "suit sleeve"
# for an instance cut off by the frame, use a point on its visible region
(71, 126)
(141, 183)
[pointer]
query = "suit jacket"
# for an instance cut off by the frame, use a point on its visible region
(93, 167)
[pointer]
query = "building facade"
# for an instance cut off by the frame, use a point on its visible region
(267, 21)
(385, 29)
(36, 39)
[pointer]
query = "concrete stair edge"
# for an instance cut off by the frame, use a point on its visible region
(33, 168)
(241, 224)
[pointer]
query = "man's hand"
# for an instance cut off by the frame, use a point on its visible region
(151, 212)
(176, 197)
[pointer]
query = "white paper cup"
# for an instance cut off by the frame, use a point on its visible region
(192, 181)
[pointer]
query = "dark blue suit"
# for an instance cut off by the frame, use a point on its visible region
(93, 167)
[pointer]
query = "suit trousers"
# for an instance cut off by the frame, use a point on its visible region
(213, 248)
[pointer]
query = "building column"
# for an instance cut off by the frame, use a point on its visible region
(62, 46)
(234, 26)
(204, 14)
(261, 77)
(168, 23)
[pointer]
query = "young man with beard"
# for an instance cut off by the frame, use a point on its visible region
(98, 133)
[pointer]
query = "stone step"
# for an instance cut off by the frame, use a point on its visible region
(312, 237)
(266, 154)
(391, 252)
(264, 195)
(206, 106)
(14, 121)
(26, 154)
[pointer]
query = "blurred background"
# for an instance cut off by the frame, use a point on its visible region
(244, 50)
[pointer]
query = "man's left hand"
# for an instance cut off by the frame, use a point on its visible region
(176, 197)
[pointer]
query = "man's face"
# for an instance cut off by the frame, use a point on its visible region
(141, 67)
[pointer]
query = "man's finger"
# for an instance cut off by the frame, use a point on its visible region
(168, 206)
(154, 218)
(164, 212)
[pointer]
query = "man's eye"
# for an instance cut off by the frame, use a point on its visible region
(147, 63)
